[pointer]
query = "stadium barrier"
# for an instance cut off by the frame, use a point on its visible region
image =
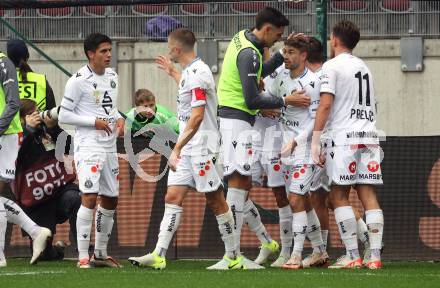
(410, 200)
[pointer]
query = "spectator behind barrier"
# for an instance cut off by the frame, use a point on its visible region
(147, 111)
(43, 188)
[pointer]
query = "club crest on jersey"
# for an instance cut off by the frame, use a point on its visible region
(113, 84)
(88, 184)
(274, 74)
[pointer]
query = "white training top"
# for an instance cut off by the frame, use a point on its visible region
(197, 88)
(352, 119)
(88, 96)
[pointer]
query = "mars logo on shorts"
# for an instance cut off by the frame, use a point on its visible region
(373, 166)
(352, 167)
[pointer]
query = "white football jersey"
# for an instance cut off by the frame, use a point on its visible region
(352, 119)
(294, 120)
(269, 132)
(93, 96)
(197, 75)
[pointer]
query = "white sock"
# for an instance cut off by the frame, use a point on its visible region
(314, 232)
(84, 220)
(324, 235)
(299, 232)
(235, 199)
(16, 215)
(286, 235)
(168, 226)
(346, 222)
(253, 220)
(103, 229)
(375, 225)
(225, 226)
(362, 232)
(3, 225)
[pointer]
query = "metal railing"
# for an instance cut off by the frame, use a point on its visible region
(376, 18)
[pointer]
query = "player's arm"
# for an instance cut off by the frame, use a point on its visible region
(328, 89)
(8, 80)
(248, 65)
(197, 114)
(67, 115)
(166, 65)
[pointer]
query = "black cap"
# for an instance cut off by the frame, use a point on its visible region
(17, 50)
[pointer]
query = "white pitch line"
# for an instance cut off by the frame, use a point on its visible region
(31, 273)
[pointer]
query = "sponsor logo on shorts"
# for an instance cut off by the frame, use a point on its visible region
(247, 167)
(211, 183)
(352, 167)
(10, 172)
(88, 184)
(373, 166)
(347, 177)
(370, 176)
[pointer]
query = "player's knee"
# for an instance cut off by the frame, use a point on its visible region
(89, 200)
(173, 198)
(280, 196)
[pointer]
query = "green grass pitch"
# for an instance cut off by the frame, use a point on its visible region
(193, 274)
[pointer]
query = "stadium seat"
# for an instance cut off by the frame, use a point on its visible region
(55, 12)
(248, 8)
(297, 6)
(17, 12)
(144, 9)
(395, 5)
(349, 6)
(194, 9)
(98, 10)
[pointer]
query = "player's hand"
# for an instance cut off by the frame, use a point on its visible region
(164, 63)
(288, 149)
(316, 153)
(33, 120)
(102, 125)
(174, 159)
(298, 99)
(120, 127)
(270, 113)
(50, 122)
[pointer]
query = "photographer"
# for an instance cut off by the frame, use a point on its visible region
(46, 192)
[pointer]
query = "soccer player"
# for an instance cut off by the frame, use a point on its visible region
(194, 161)
(239, 101)
(10, 139)
(89, 103)
(267, 148)
(320, 182)
(320, 185)
(296, 123)
(348, 107)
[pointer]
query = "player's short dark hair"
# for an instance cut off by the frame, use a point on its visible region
(93, 41)
(143, 95)
(300, 43)
(315, 51)
(347, 32)
(184, 36)
(271, 16)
